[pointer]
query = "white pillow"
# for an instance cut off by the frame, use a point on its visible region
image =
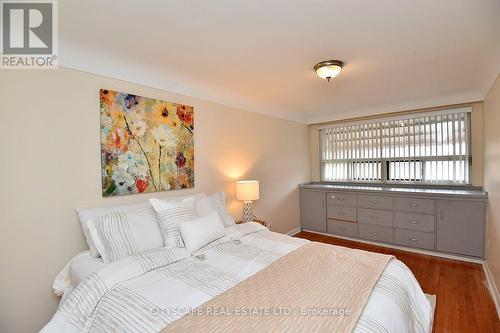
(170, 215)
(201, 231)
(202, 206)
(87, 214)
(217, 202)
(118, 235)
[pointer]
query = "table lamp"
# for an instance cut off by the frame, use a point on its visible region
(247, 191)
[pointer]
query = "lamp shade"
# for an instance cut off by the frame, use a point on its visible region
(247, 190)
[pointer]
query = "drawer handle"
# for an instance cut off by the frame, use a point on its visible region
(413, 205)
(374, 202)
(414, 239)
(340, 199)
(413, 222)
(374, 233)
(341, 213)
(375, 217)
(341, 228)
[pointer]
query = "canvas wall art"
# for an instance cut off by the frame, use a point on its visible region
(147, 145)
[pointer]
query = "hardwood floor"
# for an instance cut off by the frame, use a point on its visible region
(463, 301)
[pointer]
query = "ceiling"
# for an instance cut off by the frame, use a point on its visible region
(258, 55)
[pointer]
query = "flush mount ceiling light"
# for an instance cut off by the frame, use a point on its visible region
(328, 69)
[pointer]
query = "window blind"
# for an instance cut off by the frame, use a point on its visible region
(426, 148)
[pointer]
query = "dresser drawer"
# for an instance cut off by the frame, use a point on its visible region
(418, 222)
(423, 240)
(425, 206)
(375, 201)
(376, 233)
(378, 217)
(341, 199)
(341, 213)
(342, 228)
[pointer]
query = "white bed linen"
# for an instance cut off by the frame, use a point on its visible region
(77, 268)
(83, 267)
(147, 302)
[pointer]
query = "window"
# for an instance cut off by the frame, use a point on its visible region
(425, 148)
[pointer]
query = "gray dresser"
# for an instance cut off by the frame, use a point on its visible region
(439, 220)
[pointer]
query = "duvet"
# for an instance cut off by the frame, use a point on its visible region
(148, 291)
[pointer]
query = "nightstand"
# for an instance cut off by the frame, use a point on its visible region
(264, 223)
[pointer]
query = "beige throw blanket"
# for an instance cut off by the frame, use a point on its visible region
(316, 288)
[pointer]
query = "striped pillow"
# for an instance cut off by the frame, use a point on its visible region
(218, 203)
(113, 236)
(120, 234)
(170, 215)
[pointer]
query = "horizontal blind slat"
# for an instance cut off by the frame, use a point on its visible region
(425, 149)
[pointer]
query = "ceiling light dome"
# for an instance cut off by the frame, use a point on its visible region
(328, 69)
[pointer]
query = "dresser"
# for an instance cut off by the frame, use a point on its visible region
(448, 221)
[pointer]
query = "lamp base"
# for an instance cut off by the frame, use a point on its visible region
(247, 211)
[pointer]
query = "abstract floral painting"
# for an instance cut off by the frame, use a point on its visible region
(146, 144)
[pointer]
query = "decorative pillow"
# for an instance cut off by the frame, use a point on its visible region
(121, 234)
(87, 214)
(170, 215)
(201, 231)
(217, 202)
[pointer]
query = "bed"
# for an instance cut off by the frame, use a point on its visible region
(155, 290)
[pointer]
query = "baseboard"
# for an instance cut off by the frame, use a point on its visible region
(293, 231)
(492, 287)
(403, 248)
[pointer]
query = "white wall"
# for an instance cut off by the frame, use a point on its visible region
(50, 163)
(492, 177)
